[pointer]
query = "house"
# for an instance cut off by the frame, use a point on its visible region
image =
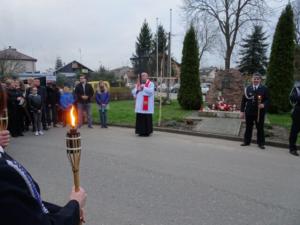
(13, 62)
(207, 74)
(72, 69)
(126, 74)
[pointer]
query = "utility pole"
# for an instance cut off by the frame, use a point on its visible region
(160, 93)
(170, 59)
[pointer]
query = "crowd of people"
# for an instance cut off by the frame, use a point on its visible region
(36, 108)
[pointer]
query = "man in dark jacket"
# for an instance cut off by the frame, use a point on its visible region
(84, 93)
(253, 108)
(295, 128)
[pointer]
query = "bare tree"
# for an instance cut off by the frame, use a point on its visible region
(207, 34)
(296, 8)
(229, 15)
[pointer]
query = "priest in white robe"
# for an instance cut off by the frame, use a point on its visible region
(144, 105)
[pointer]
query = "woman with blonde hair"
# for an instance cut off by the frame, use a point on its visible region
(102, 99)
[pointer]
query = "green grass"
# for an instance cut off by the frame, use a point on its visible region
(283, 120)
(122, 112)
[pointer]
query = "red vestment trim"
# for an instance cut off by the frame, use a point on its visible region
(146, 98)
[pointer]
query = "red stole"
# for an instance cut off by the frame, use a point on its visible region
(146, 98)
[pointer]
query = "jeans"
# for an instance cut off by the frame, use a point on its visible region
(37, 117)
(84, 107)
(103, 117)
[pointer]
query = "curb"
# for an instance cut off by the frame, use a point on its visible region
(209, 135)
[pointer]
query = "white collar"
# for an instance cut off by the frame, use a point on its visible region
(1, 149)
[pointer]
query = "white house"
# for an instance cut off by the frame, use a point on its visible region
(14, 62)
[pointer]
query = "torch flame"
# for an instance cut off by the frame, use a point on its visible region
(73, 118)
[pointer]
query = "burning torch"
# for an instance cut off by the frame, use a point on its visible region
(73, 142)
(4, 120)
(258, 109)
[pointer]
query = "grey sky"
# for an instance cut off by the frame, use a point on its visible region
(105, 31)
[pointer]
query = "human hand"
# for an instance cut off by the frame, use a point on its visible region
(242, 115)
(82, 215)
(84, 97)
(80, 196)
(4, 138)
(261, 106)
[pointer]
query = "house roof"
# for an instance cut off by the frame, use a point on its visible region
(13, 54)
(71, 67)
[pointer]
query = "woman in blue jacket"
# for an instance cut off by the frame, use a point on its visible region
(102, 99)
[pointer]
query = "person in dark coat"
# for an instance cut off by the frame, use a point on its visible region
(20, 198)
(14, 114)
(295, 128)
(84, 93)
(254, 105)
(43, 93)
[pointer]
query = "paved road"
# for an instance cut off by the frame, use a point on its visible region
(168, 179)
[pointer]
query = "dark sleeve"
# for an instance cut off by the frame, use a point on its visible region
(91, 90)
(77, 92)
(243, 103)
(17, 206)
(266, 100)
(107, 98)
(98, 99)
(294, 97)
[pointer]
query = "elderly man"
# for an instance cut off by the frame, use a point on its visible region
(144, 105)
(253, 108)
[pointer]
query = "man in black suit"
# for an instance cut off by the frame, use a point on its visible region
(253, 108)
(295, 128)
(84, 93)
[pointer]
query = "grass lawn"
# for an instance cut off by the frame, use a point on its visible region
(122, 112)
(283, 120)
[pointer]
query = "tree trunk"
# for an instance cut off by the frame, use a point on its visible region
(227, 60)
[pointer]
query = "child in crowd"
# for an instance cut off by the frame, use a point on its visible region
(35, 106)
(66, 101)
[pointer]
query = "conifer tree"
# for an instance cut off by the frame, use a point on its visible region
(189, 95)
(281, 66)
(253, 54)
(58, 63)
(143, 49)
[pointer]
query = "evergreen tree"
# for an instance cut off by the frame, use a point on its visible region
(253, 54)
(143, 49)
(281, 66)
(58, 63)
(161, 37)
(189, 95)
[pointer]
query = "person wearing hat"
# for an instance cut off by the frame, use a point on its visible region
(295, 128)
(253, 109)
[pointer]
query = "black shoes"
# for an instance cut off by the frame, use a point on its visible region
(294, 152)
(244, 144)
(261, 146)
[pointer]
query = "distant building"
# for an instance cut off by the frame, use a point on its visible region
(13, 62)
(72, 69)
(125, 74)
(208, 74)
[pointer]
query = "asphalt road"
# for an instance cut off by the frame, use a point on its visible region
(167, 179)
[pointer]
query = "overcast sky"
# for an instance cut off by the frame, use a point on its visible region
(103, 31)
